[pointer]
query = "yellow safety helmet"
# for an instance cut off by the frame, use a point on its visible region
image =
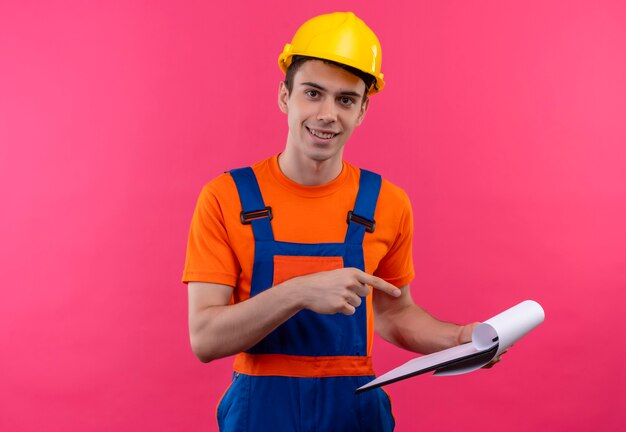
(340, 37)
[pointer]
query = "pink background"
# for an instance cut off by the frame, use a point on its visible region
(504, 121)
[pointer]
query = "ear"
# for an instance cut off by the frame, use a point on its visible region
(283, 97)
(362, 111)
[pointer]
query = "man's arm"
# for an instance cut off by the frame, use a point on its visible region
(218, 329)
(405, 324)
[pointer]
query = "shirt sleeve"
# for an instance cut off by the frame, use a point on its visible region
(396, 267)
(210, 257)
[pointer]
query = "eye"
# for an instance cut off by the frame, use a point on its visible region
(346, 101)
(312, 93)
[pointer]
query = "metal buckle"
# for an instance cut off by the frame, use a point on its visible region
(248, 217)
(370, 225)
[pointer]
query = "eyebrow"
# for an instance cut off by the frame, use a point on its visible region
(343, 93)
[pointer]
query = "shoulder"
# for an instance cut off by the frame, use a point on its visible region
(224, 185)
(218, 189)
(390, 193)
(395, 205)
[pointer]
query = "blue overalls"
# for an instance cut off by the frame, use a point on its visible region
(315, 346)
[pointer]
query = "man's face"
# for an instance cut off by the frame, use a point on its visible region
(325, 105)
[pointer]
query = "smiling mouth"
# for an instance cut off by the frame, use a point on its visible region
(321, 134)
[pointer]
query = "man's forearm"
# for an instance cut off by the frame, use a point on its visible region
(222, 330)
(414, 329)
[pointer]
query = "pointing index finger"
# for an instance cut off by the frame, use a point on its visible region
(381, 284)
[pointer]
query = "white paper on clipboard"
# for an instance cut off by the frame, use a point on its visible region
(490, 339)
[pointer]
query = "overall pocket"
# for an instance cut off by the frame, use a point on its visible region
(232, 409)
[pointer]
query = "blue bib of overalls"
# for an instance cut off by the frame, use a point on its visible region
(309, 333)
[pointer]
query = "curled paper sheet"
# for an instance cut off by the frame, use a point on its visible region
(490, 339)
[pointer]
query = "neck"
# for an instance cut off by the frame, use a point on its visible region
(309, 172)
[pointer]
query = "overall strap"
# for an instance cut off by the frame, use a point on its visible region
(361, 219)
(254, 211)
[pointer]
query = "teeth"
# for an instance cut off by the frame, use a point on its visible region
(321, 134)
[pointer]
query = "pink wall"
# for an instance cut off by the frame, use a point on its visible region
(505, 124)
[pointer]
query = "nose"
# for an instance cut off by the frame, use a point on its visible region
(328, 111)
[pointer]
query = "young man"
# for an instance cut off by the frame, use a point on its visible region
(288, 261)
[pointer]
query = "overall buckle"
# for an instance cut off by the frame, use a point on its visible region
(370, 225)
(247, 217)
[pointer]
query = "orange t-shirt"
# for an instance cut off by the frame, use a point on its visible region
(221, 249)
